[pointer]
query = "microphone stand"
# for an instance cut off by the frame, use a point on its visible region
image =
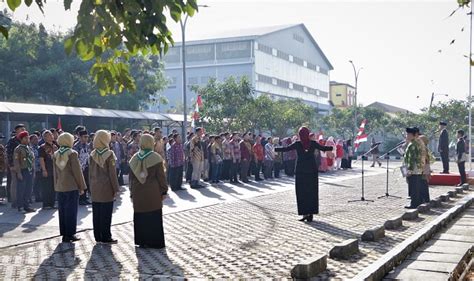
(387, 156)
(362, 198)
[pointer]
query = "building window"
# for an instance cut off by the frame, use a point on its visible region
(324, 94)
(298, 61)
(298, 38)
(283, 83)
(233, 50)
(173, 55)
(298, 87)
(283, 55)
(322, 70)
(192, 81)
(172, 83)
(264, 79)
(265, 49)
(338, 95)
(204, 52)
(311, 66)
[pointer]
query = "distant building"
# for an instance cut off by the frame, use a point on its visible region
(389, 109)
(342, 94)
(282, 61)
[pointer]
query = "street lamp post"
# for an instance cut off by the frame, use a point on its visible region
(356, 77)
(183, 60)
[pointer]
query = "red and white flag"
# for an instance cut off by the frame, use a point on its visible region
(361, 136)
(196, 111)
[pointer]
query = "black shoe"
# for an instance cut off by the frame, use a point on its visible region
(410, 207)
(371, 166)
(310, 218)
(380, 164)
(30, 210)
(67, 239)
(110, 241)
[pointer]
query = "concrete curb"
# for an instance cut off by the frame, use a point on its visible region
(345, 249)
(310, 267)
(373, 234)
(387, 262)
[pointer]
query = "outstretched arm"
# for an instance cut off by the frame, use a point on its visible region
(322, 147)
(287, 148)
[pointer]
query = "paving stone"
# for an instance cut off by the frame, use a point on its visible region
(310, 268)
(410, 215)
(436, 257)
(414, 275)
(435, 203)
(444, 197)
(429, 266)
(446, 247)
(423, 208)
(345, 249)
(455, 238)
(374, 234)
(394, 223)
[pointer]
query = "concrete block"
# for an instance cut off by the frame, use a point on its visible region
(452, 193)
(435, 203)
(345, 249)
(459, 190)
(393, 223)
(465, 186)
(310, 268)
(423, 208)
(374, 234)
(410, 215)
(444, 197)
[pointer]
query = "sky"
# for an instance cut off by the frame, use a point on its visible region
(403, 46)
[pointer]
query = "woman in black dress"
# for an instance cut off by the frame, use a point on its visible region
(306, 181)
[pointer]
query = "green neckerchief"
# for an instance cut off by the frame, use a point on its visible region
(63, 149)
(101, 151)
(143, 154)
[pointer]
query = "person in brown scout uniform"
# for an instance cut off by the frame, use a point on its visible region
(46, 152)
(23, 159)
(148, 189)
(104, 186)
(69, 183)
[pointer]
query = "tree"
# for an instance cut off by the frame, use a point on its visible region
(111, 31)
(35, 68)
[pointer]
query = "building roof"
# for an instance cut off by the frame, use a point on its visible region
(252, 33)
(388, 108)
(335, 83)
(47, 109)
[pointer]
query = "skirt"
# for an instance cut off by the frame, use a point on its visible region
(307, 193)
(148, 229)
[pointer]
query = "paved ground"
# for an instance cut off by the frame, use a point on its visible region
(438, 258)
(253, 233)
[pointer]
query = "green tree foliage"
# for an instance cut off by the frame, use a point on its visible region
(109, 32)
(231, 105)
(35, 68)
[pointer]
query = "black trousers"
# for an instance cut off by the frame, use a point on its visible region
(462, 171)
(226, 169)
(234, 169)
(102, 219)
(257, 169)
(120, 176)
(176, 177)
(24, 188)
(189, 171)
(276, 169)
(48, 195)
(445, 160)
(67, 208)
(415, 185)
(425, 191)
(37, 186)
(9, 184)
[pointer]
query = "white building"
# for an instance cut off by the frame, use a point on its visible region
(282, 61)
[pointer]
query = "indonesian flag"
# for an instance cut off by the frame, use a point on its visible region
(196, 111)
(361, 136)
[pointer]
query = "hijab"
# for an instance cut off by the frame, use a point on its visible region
(304, 137)
(144, 158)
(65, 142)
(101, 144)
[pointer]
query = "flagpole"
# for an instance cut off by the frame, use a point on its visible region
(470, 90)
